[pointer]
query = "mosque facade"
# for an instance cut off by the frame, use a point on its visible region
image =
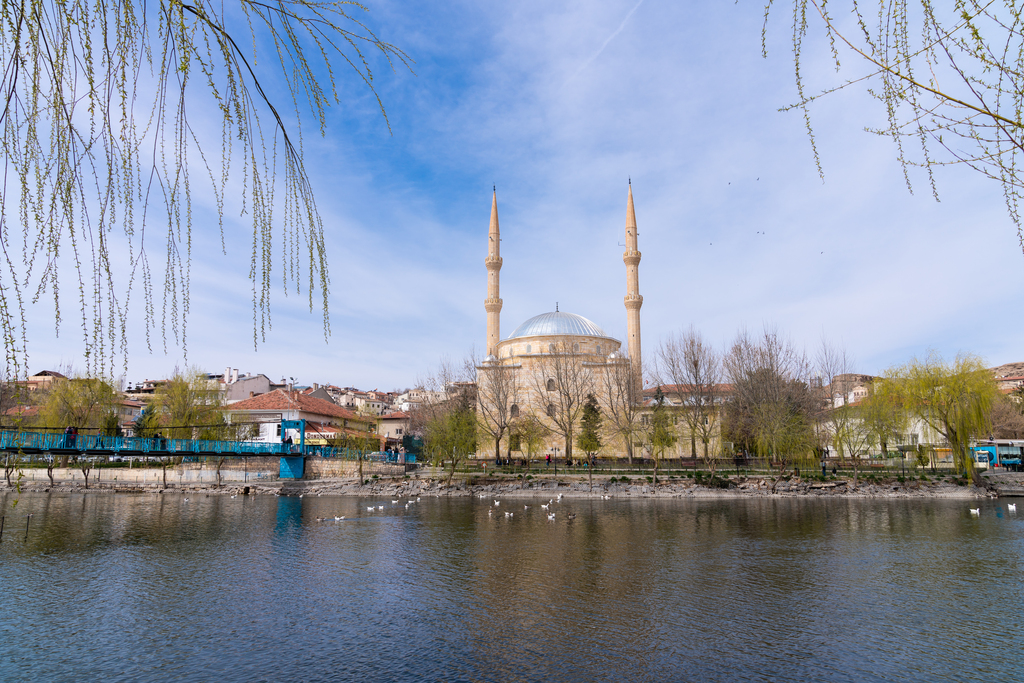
(530, 372)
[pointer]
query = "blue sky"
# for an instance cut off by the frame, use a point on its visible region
(558, 104)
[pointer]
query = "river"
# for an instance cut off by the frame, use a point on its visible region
(212, 588)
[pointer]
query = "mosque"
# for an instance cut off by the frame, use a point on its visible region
(530, 357)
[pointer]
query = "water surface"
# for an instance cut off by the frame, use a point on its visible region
(156, 588)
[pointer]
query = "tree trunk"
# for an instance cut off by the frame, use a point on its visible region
(451, 475)
(497, 448)
(85, 473)
(220, 461)
(163, 466)
(359, 459)
(49, 470)
(693, 446)
(590, 470)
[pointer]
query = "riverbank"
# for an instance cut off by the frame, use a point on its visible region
(574, 487)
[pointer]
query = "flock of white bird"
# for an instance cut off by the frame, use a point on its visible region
(1012, 507)
(544, 506)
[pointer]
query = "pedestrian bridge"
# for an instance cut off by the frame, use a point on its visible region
(88, 445)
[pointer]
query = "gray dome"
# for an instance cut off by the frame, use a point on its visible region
(558, 323)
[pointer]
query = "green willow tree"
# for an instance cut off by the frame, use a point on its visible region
(101, 153)
(954, 399)
(950, 77)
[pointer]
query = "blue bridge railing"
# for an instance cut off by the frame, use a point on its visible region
(93, 443)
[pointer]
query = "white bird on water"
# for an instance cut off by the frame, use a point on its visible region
(526, 507)
(544, 507)
(370, 509)
(1012, 507)
(508, 514)
(976, 511)
(380, 507)
(559, 496)
(551, 516)
(497, 503)
(338, 519)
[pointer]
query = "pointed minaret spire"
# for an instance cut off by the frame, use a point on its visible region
(631, 257)
(493, 262)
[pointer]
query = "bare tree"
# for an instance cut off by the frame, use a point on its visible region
(563, 385)
(447, 418)
(1007, 418)
(497, 400)
(844, 423)
(690, 370)
(529, 432)
(772, 405)
(623, 403)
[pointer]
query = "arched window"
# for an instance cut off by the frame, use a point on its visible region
(551, 410)
(599, 349)
(551, 348)
(576, 347)
(551, 385)
(529, 348)
(515, 410)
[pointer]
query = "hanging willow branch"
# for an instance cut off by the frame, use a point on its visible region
(949, 75)
(99, 154)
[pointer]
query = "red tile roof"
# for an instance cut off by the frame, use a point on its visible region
(281, 400)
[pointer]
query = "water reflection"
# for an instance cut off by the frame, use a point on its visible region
(154, 587)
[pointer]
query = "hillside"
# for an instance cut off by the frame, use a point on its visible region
(1008, 370)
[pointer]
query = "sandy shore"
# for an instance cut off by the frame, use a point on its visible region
(573, 487)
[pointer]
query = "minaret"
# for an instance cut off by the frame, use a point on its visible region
(493, 262)
(631, 257)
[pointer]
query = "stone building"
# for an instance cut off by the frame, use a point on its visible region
(551, 362)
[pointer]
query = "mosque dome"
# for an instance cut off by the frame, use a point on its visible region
(557, 323)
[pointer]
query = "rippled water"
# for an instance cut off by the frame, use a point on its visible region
(155, 588)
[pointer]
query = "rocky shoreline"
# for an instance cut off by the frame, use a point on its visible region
(570, 487)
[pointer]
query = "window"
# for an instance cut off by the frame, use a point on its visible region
(551, 348)
(576, 347)
(529, 348)
(398, 431)
(551, 410)
(551, 385)
(515, 410)
(598, 348)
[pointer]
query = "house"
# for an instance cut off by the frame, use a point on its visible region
(392, 428)
(41, 380)
(324, 419)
